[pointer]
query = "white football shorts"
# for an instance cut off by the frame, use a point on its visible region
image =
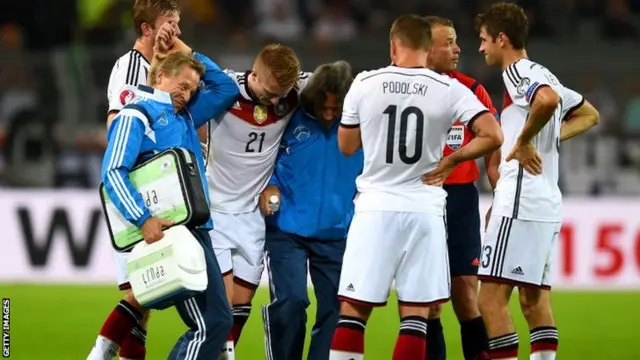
(519, 252)
(238, 242)
(121, 269)
(408, 247)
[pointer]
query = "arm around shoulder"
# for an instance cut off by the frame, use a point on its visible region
(349, 137)
(216, 96)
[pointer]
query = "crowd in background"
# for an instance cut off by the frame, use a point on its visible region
(47, 89)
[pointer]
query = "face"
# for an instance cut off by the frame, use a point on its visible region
(172, 18)
(181, 86)
(265, 87)
(444, 53)
(330, 110)
(489, 47)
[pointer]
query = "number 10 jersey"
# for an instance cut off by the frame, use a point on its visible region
(243, 145)
(404, 115)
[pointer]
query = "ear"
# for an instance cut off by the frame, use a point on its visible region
(502, 40)
(146, 29)
(159, 77)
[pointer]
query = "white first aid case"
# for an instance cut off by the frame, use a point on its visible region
(171, 187)
(168, 271)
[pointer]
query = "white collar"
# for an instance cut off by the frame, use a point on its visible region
(155, 94)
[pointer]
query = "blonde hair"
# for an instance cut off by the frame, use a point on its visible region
(281, 62)
(173, 64)
(148, 11)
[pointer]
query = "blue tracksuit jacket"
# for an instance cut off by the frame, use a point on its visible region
(148, 125)
(316, 181)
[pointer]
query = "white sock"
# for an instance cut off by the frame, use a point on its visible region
(543, 355)
(344, 355)
(104, 349)
(228, 352)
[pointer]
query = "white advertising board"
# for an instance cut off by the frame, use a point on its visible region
(60, 237)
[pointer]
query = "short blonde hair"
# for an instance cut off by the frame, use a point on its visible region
(282, 63)
(173, 64)
(413, 31)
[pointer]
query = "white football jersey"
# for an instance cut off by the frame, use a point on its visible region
(243, 145)
(520, 195)
(404, 115)
(130, 70)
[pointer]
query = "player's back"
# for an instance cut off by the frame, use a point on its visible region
(129, 71)
(520, 194)
(244, 143)
(404, 117)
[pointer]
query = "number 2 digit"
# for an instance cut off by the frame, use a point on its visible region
(253, 136)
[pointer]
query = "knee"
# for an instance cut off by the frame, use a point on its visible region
(533, 305)
(435, 311)
(295, 304)
(130, 298)
(491, 300)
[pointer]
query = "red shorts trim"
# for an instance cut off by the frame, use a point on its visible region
(125, 286)
(423, 304)
(227, 273)
(360, 302)
(244, 283)
(520, 284)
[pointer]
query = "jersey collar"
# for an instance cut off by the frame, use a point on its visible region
(155, 95)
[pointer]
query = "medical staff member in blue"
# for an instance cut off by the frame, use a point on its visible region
(315, 185)
(167, 115)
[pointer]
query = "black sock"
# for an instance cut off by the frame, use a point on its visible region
(436, 347)
(475, 342)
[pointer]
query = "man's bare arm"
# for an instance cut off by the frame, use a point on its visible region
(491, 164)
(488, 138)
(349, 140)
(544, 104)
(579, 121)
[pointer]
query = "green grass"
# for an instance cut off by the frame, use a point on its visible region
(61, 322)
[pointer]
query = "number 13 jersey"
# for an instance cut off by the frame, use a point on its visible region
(518, 194)
(243, 145)
(404, 115)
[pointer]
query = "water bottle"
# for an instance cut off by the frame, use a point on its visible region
(274, 203)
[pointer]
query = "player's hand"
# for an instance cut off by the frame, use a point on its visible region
(486, 218)
(152, 229)
(439, 175)
(527, 155)
(263, 201)
(165, 39)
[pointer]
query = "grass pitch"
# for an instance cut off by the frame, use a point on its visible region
(61, 322)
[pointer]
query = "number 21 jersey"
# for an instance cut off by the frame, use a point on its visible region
(243, 145)
(404, 115)
(518, 194)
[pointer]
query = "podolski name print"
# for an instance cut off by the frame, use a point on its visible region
(6, 328)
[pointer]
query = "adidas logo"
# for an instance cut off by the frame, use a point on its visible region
(237, 105)
(517, 271)
(475, 262)
(351, 288)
